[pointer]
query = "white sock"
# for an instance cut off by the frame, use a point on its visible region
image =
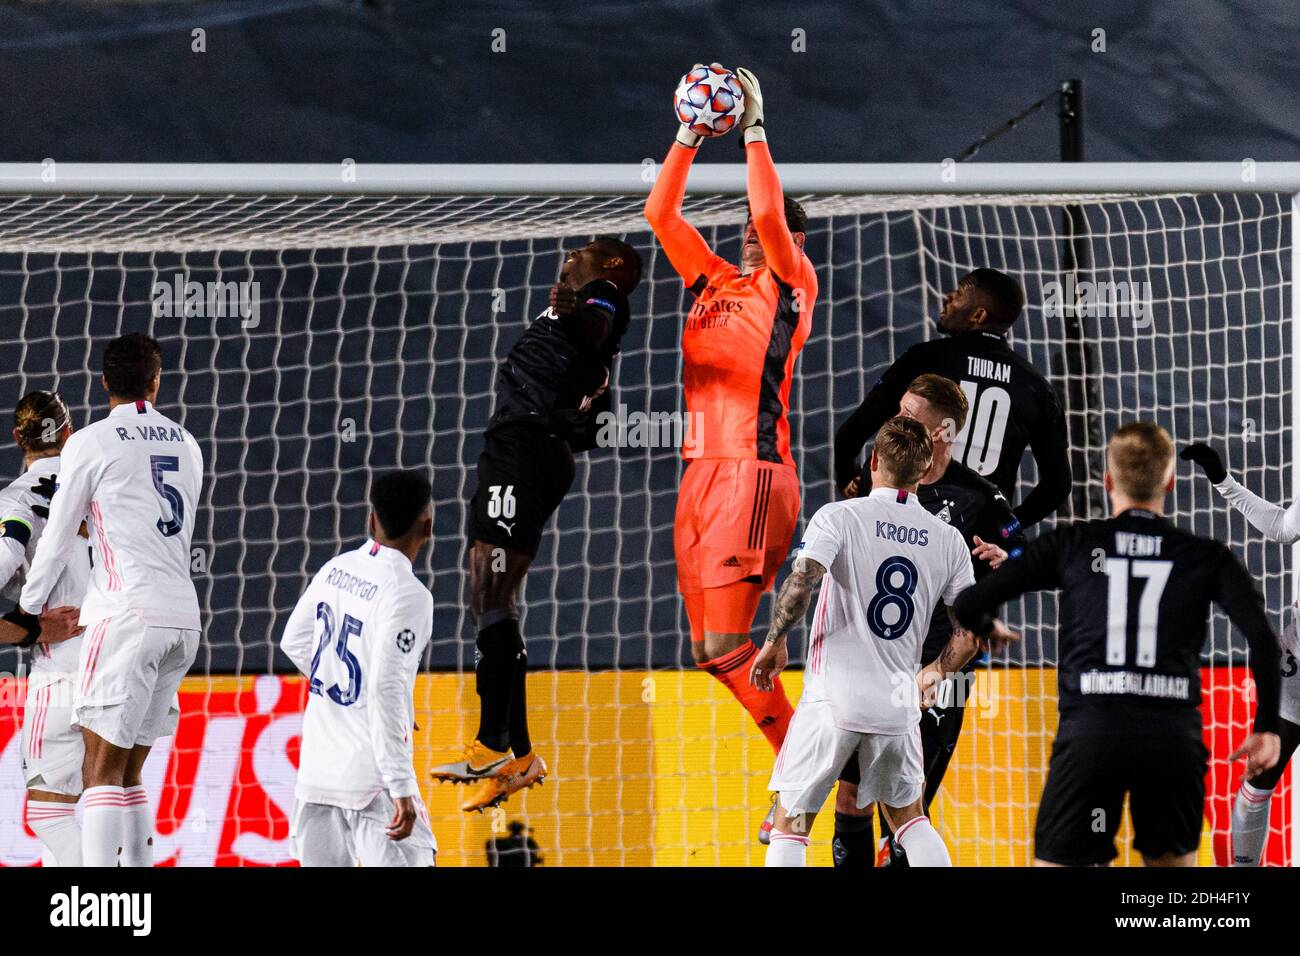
(922, 843)
(137, 828)
(787, 849)
(102, 826)
(1249, 825)
(56, 826)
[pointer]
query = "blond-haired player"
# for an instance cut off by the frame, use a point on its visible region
(884, 563)
(1134, 606)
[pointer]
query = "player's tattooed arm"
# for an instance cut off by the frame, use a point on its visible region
(791, 605)
(961, 647)
(796, 594)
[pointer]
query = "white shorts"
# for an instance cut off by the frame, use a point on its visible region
(52, 743)
(127, 679)
(323, 835)
(815, 753)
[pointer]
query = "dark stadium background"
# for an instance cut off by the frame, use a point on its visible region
(905, 81)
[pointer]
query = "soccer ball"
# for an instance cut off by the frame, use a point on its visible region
(709, 100)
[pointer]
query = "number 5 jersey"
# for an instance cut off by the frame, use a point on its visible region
(135, 476)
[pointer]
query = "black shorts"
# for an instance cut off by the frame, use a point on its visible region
(1164, 777)
(523, 475)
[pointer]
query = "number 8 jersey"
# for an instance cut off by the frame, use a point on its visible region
(889, 562)
(135, 476)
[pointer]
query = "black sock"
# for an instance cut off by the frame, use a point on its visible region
(519, 741)
(852, 847)
(499, 646)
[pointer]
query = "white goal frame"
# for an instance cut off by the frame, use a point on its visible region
(939, 179)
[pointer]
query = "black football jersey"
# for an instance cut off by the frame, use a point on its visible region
(1134, 611)
(562, 363)
(976, 508)
(1012, 407)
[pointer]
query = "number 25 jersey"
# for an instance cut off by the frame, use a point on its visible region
(358, 633)
(889, 562)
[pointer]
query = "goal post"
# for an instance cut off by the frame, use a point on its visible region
(320, 322)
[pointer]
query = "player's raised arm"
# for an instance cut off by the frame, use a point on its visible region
(82, 466)
(766, 198)
(880, 405)
(1050, 448)
(686, 249)
(1272, 521)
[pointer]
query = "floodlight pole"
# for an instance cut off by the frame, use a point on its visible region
(1080, 357)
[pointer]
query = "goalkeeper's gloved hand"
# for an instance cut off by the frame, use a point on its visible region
(684, 135)
(751, 120)
(1208, 459)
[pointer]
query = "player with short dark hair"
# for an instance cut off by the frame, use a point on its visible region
(357, 634)
(1135, 595)
(1012, 406)
(1250, 809)
(138, 475)
(738, 504)
(976, 508)
(131, 362)
(550, 392)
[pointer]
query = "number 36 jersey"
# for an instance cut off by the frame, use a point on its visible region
(135, 477)
(358, 633)
(889, 563)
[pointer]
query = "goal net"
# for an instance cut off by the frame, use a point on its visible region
(313, 337)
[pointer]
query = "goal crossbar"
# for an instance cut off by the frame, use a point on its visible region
(596, 179)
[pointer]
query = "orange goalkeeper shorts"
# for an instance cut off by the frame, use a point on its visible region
(735, 520)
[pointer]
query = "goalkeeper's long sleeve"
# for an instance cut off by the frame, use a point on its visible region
(1270, 520)
(686, 249)
(767, 206)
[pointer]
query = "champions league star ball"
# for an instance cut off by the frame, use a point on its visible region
(709, 100)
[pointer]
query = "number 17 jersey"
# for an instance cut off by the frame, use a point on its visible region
(889, 562)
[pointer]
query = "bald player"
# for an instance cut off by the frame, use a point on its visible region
(739, 497)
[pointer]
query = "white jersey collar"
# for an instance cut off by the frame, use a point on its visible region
(132, 408)
(895, 495)
(380, 552)
(48, 463)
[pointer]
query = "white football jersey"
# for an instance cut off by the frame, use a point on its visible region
(358, 633)
(24, 512)
(138, 476)
(889, 563)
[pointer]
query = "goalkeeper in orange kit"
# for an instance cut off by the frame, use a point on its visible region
(739, 498)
